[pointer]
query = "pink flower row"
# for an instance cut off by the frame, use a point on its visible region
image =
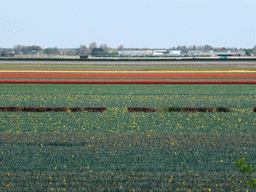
(132, 82)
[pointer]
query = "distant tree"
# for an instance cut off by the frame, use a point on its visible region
(184, 47)
(190, 47)
(98, 52)
(103, 46)
(208, 47)
(167, 51)
(111, 52)
(120, 48)
(179, 47)
(194, 47)
(47, 51)
(51, 51)
(92, 46)
(26, 49)
(83, 47)
(223, 49)
(200, 47)
(18, 48)
(82, 50)
(173, 48)
(249, 51)
(55, 50)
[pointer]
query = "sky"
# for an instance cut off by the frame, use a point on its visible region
(133, 23)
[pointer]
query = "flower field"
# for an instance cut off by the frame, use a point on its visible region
(118, 150)
(123, 162)
(125, 76)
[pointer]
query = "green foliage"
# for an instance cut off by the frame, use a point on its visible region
(223, 109)
(121, 151)
(249, 51)
(246, 170)
(111, 161)
(174, 109)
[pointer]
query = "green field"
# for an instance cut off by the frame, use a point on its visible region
(122, 151)
(123, 162)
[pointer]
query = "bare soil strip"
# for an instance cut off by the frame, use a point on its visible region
(52, 109)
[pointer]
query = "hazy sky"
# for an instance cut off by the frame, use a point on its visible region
(133, 23)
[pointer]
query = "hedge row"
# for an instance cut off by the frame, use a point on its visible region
(102, 109)
(52, 109)
(197, 109)
(182, 109)
(141, 109)
(126, 59)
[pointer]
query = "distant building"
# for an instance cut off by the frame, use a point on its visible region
(135, 53)
(206, 53)
(71, 53)
(8, 54)
(175, 53)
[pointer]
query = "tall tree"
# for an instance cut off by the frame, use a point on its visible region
(120, 48)
(83, 47)
(208, 47)
(103, 46)
(179, 47)
(93, 45)
(249, 51)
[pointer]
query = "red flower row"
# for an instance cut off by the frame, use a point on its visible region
(132, 82)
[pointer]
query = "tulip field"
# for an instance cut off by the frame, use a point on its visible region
(118, 150)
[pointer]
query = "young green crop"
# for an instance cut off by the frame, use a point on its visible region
(246, 170)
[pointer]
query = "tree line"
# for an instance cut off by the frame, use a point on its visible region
(104, 50)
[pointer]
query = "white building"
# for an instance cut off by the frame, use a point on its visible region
(135, 53)
(175, 53)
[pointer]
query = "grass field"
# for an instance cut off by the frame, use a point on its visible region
(122, 151)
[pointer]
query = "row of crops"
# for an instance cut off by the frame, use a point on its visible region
(123, 162)
(121, 151)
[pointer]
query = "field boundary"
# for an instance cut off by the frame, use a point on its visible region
(128, 82)
(130, 59)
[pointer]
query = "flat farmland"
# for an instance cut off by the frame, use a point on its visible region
(118, 150)
(215, 71)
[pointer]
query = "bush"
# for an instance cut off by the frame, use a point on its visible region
(189, 109)
(95, 109)
(141, 109)
(205, 109)
(60, 109)
(223, 109)
(174, 109)
(75, 109)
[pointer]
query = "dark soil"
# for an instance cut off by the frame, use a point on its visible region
(60, 109)
(141, 109)
(75, 109)
(94, 109)
(198, 109)
(50, 109)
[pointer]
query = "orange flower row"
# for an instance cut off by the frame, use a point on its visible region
(129, 82)
(138, 77)
(125, 74)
